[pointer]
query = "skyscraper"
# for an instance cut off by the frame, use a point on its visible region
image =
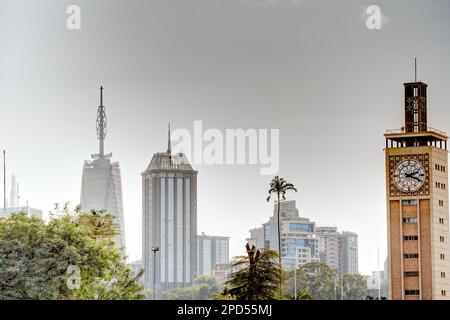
(101, 186)
(417, 204)
(169, 221)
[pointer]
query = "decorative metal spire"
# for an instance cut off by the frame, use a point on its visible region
(101, 129)
(169, 146)
(101, 125)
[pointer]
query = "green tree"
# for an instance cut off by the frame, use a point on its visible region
(355, 287)
(318, 277)
(258, 276)
(205, 289)
(324, 283)
(62, 259)
(279, 187)
(302, 294)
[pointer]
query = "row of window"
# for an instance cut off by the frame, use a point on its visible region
(439, 167)
(413, 202)
(411, 273)
(440, 185)
(416, 256)
(409, 220)
(414, 220)
(410, 238)
(412, 292)
(409, 202)
(417, 292)
(416, 274)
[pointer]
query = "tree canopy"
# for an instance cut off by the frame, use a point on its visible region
(70, 257)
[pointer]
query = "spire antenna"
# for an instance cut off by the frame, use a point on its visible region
(415, 69)
(169, 146)
(101, 126)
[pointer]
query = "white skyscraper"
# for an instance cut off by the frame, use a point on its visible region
(101, 186)
(169, 221)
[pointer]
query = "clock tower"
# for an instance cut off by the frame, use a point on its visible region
(417, 204)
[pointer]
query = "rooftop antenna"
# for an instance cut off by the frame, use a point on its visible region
(101, 126)
(169, 146)
(415, 69)
(101, 129)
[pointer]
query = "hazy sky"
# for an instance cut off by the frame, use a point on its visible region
(309, 68)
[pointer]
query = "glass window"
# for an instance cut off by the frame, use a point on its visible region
(409, 220)
(300, 227)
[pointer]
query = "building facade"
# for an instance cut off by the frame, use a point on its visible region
(339, 250)
(211, 251)
(299, 244)
(169, 221)
(417, 204)
(101, 183)
(29, 211)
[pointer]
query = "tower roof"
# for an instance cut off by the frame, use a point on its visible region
(170, 162)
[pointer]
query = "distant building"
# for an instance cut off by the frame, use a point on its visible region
(14, 205)
(211, 251)
(101, 186)
(338, 250)
(169, 221)
(299, 244)
(377, 284)
(29, 211)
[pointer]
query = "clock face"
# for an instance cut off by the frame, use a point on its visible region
(409, 175)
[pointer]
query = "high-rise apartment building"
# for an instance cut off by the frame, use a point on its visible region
(299, 244)
(169, 221)
(417, 204)
(101, 186)
(211, 251)
(339, 250)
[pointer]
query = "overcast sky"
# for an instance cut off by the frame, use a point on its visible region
(309, 68)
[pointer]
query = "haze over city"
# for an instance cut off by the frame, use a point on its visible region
(312, 70)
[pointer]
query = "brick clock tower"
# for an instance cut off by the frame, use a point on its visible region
(417, 204)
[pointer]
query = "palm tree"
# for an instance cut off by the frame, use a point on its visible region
(257, 277)
(279, 186)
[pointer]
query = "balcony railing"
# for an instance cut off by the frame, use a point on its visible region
(429, 129)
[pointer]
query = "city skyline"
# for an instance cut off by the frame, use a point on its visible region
(230, 75)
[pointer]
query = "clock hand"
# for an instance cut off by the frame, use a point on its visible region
(416, 178)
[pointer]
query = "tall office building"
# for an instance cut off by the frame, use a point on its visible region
(101, 186)
(169, 221)
(339, 250)
(211, 251)
(417, 204)
(299, 244)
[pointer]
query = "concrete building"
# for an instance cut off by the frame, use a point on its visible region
(29, 211)
(101, 186)
(417, 204)
(169, 221)
(211, 251)
(299, 244)
(339, 250)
